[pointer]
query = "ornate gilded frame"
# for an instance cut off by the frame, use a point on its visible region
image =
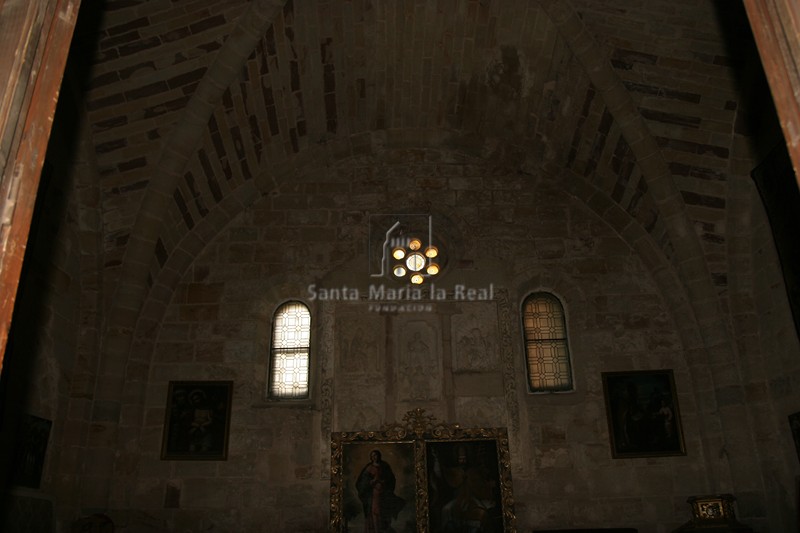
(413, 444)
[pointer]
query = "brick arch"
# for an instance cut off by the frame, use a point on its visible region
(370, 145)
(710, 346)
(711, 341)
(132, 283)
(194, 200)
(641, 142)
(193, 242)
(267, 117)
(666, 278)
(144, 239)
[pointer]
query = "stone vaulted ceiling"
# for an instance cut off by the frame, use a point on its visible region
(198, 108)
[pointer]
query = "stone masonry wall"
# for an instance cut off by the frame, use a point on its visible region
(520, 233)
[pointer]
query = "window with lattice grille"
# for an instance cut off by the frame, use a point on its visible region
(546, 349)
(289, 357)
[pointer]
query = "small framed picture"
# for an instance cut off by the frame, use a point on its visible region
(643, 415)
(197, 420)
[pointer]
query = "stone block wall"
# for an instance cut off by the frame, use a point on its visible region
(366, 372)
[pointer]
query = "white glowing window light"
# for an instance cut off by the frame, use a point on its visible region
(291, 340)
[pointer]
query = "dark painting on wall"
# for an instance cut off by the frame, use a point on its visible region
(197, 420)
(31, 448)
(643, 415)
(794, 424)
(464, 486)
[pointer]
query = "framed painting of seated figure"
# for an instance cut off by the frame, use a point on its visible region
(464, 485)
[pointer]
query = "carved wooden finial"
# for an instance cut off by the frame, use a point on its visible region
(418, 422)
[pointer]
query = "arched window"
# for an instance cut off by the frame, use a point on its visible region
(546, 350)
(289, 356)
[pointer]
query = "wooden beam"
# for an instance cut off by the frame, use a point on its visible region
(776, 28)
(40, 32)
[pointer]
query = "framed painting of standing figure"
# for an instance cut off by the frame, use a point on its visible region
(197, 420)
(421, 477)
(643, 415)
(378, 486)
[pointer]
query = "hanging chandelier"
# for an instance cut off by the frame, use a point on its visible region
(415, 262)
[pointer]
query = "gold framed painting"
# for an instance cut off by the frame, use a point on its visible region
(378, 485)
(421, 477)
(643, 415)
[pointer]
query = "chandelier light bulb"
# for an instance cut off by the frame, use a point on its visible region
(432, 269)
(398, 253)
(431, 252)
(415, 244)
(399, 271)
(415, 262)
(416, 279)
